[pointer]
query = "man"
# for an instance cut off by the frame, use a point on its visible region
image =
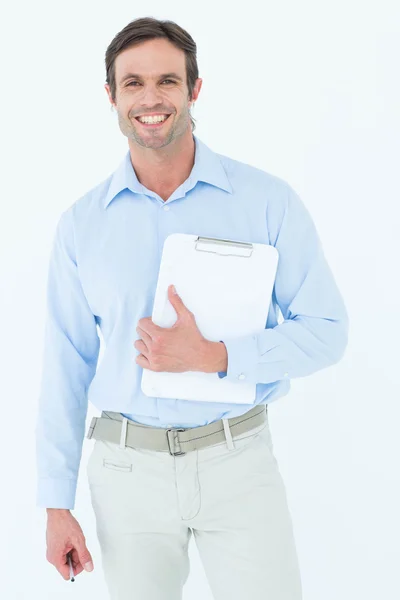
(218, 478)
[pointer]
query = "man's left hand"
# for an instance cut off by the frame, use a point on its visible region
(174, 349)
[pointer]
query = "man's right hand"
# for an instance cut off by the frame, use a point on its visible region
(64, 535)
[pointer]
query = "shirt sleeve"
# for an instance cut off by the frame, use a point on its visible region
(314, 333)
(71, 350)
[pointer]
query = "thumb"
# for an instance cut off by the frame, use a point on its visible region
(84, 556)
(176, 301)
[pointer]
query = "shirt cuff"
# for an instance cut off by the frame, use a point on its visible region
(242, 359)
(56, 493)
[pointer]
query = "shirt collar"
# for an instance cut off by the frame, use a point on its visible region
(207, 167)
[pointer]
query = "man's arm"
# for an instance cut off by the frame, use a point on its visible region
(71, 350)
(314, 334)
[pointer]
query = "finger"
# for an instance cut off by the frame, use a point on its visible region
(142, 361)
(177, 301)
(84, 556)
(146, 325)
(63, 567)
(149, 327)
(144, 335)
(141, 346)
(76, 565)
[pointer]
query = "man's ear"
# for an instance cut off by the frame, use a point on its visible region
(108, 90)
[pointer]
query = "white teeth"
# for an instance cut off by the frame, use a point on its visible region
(158, 119)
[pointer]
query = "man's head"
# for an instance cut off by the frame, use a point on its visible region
(151, 68)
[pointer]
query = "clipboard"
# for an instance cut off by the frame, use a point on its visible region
(228, 285)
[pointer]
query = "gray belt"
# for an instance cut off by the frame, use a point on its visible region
(177, 440)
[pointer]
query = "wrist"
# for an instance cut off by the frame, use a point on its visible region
(58, 511)
(222, 357)
(215, 357)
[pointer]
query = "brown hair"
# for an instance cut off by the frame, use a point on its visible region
(148, 28)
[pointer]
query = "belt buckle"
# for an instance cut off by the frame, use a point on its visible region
(169, 445)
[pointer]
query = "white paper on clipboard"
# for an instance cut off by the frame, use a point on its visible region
(228, 286)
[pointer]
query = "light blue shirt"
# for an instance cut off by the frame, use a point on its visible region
(103, 274)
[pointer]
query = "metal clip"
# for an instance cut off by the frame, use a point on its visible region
(243, 249)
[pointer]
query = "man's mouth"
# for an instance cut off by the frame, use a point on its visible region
(153, 124)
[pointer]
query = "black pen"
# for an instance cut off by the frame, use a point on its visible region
(71, 570)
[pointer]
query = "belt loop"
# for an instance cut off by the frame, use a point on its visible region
(122, 440)
(91, 428)
(228, 435)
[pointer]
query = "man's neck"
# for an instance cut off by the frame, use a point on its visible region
(163, 171)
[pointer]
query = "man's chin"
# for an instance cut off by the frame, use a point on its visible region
(151, 141)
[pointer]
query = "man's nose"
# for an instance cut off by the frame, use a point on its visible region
(150, 96)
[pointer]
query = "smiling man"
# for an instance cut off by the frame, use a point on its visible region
(149, 90)
(164, 469)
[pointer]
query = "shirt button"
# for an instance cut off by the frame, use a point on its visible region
(242, 376)
(166, 207)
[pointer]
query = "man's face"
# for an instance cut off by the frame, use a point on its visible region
(143, 89)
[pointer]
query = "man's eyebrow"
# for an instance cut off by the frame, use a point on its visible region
(163, 76)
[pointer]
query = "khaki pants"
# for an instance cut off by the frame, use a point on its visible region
(147, 504)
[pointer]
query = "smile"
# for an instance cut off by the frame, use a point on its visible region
(153, 125)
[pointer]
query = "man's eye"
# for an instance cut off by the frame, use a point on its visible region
(131, 82)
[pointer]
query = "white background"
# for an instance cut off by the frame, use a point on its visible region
(308, 91)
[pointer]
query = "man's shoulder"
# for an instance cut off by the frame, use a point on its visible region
(93, 198)
(240, 171)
